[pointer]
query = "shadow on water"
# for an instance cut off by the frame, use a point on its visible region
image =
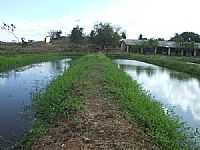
(178, 92)
(17, 88)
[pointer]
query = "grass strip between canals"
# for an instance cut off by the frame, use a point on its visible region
(13, 61)
(59, 101)
(170, 62)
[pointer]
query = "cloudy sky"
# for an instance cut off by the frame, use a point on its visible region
(152, 18)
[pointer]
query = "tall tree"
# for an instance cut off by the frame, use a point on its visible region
(55, 34)
(187, 37)
(179, 40)
(92, 36)
(123, 35)
(115, 39)
(161, 39)
(140, 37)
(105, 35)
(77, 35)
(152, 43)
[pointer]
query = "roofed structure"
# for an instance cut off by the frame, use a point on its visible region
(167, 44)
(163, 46)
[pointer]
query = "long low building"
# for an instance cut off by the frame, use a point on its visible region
(163, 47)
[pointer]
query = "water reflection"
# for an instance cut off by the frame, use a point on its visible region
(168, 87)
(16, 89)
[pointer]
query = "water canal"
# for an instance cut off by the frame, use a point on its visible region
(16, 91)
(172, 89)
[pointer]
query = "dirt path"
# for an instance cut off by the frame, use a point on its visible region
(100, 127)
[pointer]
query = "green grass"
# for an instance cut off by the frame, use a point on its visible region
(13, 61)
(139, 107)
(59, 101)
(174, 63)
(188, 59)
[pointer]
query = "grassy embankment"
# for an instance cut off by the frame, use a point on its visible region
(59, 101)
(186, 59)
(175, 63)
(13, 61)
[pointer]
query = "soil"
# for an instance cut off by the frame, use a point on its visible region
(101, 126)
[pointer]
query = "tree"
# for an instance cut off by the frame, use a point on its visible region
(140, 37)
(10, 28)
(24, 43)
(187, 37)
(161, 39)
(55, 34)
(115, 39)
(190, 45)
(77, 35)
(92, 36)
(152, 43)
(179, 40)
(105, 35)
(123, 35)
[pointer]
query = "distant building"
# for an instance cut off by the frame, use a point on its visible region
(164, 47)
(47, 39)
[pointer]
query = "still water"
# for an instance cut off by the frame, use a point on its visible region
(16, 91)
(173, 89)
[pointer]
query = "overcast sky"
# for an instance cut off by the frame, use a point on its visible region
(152, 18)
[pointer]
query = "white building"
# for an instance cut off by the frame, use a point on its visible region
(47, 39)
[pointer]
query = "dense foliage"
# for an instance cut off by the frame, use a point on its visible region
(105, 35)
(151, 43)
(55, 34)
(123, 35)
(187, 37)
(76, 35)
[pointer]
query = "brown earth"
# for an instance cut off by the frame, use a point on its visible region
(101, 126)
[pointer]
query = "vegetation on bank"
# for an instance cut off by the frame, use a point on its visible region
(186, 59)
(59, 101)
(181, 64)
(13, 61)
(56, 102)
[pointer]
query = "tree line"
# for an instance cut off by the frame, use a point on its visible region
(185, 40)
(102, 34)
(106, 35)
